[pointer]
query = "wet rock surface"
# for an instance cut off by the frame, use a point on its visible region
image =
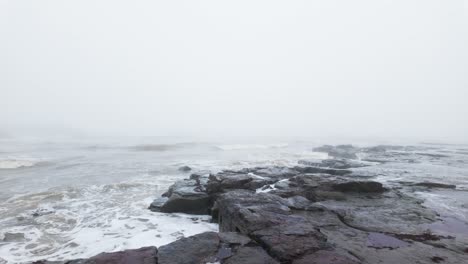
(213, 247)
(331, 211)
(359, 186)
(186, 196)
(145, 255)
(196, 249)
(185, 169)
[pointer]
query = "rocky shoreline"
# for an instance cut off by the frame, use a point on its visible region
(316, 212)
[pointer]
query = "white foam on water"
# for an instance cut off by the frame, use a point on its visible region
(13, 163)
(94, 200)
(80, 223)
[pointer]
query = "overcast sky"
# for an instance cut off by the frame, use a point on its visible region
(385, 69)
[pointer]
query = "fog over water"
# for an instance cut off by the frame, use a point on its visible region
(103, 102)
(346, 69)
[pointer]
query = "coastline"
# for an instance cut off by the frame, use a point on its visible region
(325, 212)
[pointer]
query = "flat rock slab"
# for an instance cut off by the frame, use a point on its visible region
(251, 255)
(191, 250)
(359, 186)
(195, 203)
(211, 247)
(325, 257)
(145, 255)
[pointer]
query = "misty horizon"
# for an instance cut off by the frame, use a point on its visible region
(227, 132)
(388, 70)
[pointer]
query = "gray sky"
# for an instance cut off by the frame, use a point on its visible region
(387, 69)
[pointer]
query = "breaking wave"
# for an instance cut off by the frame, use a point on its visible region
(12, 163)
(76, 223)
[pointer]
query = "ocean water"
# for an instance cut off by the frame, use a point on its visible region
(68, 200)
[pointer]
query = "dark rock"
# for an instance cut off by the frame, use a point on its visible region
(195, 176)
(379, 148)
(426, 236)
(379, 241)
(194, 203)
(156, 205)
(212, 247)
(435, 185)
(221, 183)
(250, 255)
(201, 248)
(185, 169)
(312, 215)
(392, 214)
(291, 240)
(298, 202)
(314, 187)
(41, 212)
(325, 257)
(223, 253)
(268, 219)
(146, 255)
(187, 196)
(181, 185)
(234, 238)
(275, 172)
(209, 247)
(437, 259)
(226, 181)
(245, 212)
(328, 195)
(359, 186)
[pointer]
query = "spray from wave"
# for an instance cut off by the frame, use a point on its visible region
(14, 163)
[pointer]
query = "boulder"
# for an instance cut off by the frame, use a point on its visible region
(197, 249)
(156, 205)
(187, 196)
(359, 186)
(185, 169)
(193, 203)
